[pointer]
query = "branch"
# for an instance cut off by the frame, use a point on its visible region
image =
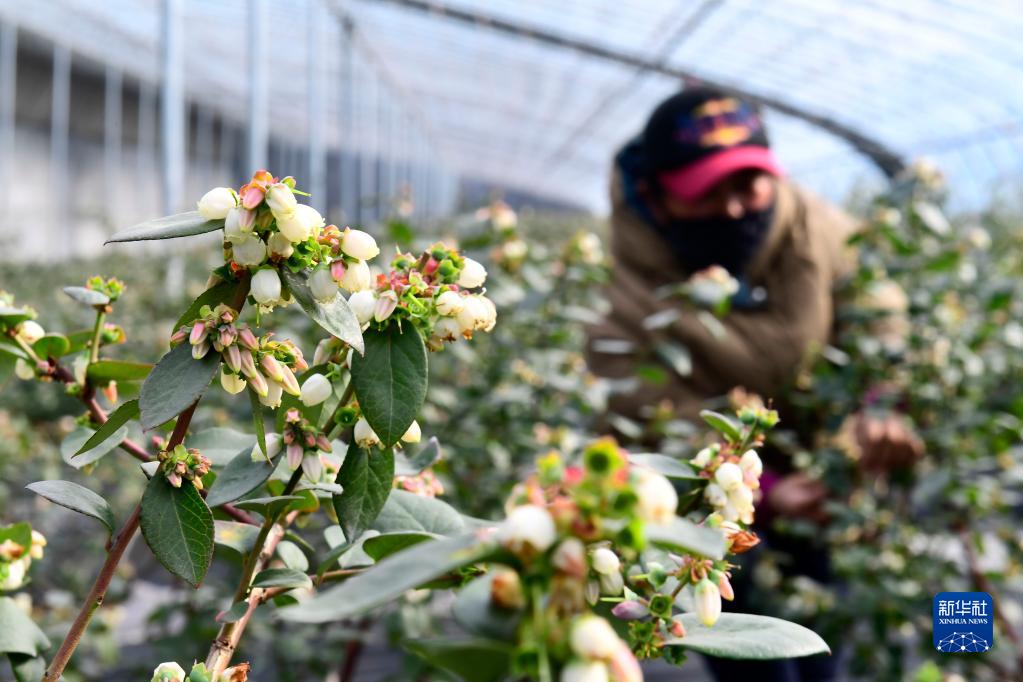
(106, 573)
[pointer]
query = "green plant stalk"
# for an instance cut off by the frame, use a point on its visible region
(345, 397)
(96, 332)
(227, 638)
(544, 666)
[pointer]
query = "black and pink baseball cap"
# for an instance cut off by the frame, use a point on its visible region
(697, 138)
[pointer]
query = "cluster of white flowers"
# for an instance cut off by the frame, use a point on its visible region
(601, 655)
(16, 559)
(730, 491)
(366, 437)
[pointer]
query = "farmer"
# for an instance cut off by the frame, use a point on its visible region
(698, 188)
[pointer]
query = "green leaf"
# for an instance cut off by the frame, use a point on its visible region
(292, 556)
(11, 316)
(175, 383)
(405, 511)
(76, 498)
(233, 614)
(722, 424)
(425, 458)
(685, 535)
(51, 346)
(73, 444)
(282, 577)
(749, 637)
(220, 444)
(386, 544)
(664, 465)
(389, 579)
(20, 533)
(8, 346)
(476, 612)
(241, 476)
(118, 418)
(178, 225)
(472, 660)
(336, 317)
(257, 422)
(27, 668)
(178, 527)
(390, 380)
(79, 341)
(18, 634)
(87, 296)
(220, 292)
(241, 537)
(366, 476)
(268, 506)
(119, 370)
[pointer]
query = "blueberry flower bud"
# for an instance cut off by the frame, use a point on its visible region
(315, 390)
(703, 457)
(449, 303)
(594, 638)
(750, 463)
(728, 476)
(233, 358)
(23, 370)
(657, 499)
(273, 395)
(605, 561)
(715, 495)
(312, 466)
(473, 274)
(272, 367)
(725, 587)
(198, 333)
(247, 339)
(365, 436)
(200, 349)
(232, 383)
(295, 453)
(216, 203)
(266, 286)
(363, 304)
(288, 381)
(281, 200)
(611, 584)
(322, 285)
(570, 557)
(359, 244)
(238, 223)
(630, 610)
(258, 383)
(30, 331)
(506, 589)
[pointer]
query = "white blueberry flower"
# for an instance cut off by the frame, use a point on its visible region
(606, 561)
(569, 557)
(611, 584)
(449, 303)
(365, 436)
(356, 277)
(266, 286)
(238, 222)
(281, 200)
(703, 457)
(363, 304)
(488, 314)
(216, 203)
(447, 329)
(359, 244)
(315, 390)
(750, 463)
(274, 443)
(728, 476)
(715, 495)
(741, 498)
(413, 434)
(280, 245)
(322, 285)
(527, 528)
(168, 672)
(30, 331)
(24, 370)
(249, 251)
(473, 274)
(232, 383)
(16, 571)
(584, 671)
(657, 499)
(302, 223)
(274, 393)
(707, 600)
(594, 638)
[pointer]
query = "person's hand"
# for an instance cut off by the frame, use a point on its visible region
(887, 443)
(798, 496)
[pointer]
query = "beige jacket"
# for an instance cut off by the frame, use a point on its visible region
(803, 256)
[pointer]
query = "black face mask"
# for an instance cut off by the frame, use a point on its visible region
(728, 242)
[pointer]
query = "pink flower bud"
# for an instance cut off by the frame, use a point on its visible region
(227, 335)
(272, 368)
(233, 358)
(623, 665)
(247, 339)
(174, 479)
(257, 382)
(677, 629)
(248, 365)
(312, 467)
(295, 455)
(199, 332)
(252, 198)
(337, 270)
(725, 587)
(323, 444)
(200, 350)
(385, 305)
(630, 610)
(179, 336)
(288, 381)
(570, 557)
